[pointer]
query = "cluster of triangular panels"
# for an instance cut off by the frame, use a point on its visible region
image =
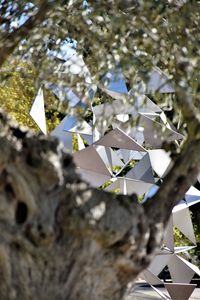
(126, 158)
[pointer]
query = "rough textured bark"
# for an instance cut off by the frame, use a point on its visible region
(61, 239)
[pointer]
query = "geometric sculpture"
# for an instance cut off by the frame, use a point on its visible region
(155, 133)
(192, 196)
(181, 270)
(37, 111)
(185, 227)
(160, 161)
(89, 159)
(180, 291)
(64, 94)
(75, 65)
(158, 82)
(128, 186)
(142, 170)
(73, 125)
(113, 83)
(145, 106)
(128, 157)
(63, 136)
(151, 278)
(118, 138)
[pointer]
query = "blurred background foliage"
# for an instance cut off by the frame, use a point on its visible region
(18, 91)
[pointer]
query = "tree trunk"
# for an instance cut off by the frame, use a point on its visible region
(61, 239)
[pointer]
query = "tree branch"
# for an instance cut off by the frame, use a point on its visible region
(189, 113)
(10, 41)
(185, 169)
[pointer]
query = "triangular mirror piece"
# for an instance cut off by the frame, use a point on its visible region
(182, 220)
(37, 111)
(179, 291)
(89, 159)
(119, 139)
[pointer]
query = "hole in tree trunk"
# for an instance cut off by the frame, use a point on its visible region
(21, 213)
(9, 190)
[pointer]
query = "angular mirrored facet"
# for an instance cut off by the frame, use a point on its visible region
(89, 159)
(142, 170)
(160, 161)
(179, 270)
(113, 82)
(119, 139)
(37, 111)
(63, 136)
(63, 93)
(159, 82)
(158, 263)
(179, 291)
(182, 220)
(95, 179)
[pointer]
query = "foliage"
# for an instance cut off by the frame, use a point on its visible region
(125, 33)
(17, 92)
(181, 240)
(112, 34)
(131, 35)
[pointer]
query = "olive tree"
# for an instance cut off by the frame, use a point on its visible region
(53, 246)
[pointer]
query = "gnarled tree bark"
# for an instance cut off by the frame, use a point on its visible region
(61, 239)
